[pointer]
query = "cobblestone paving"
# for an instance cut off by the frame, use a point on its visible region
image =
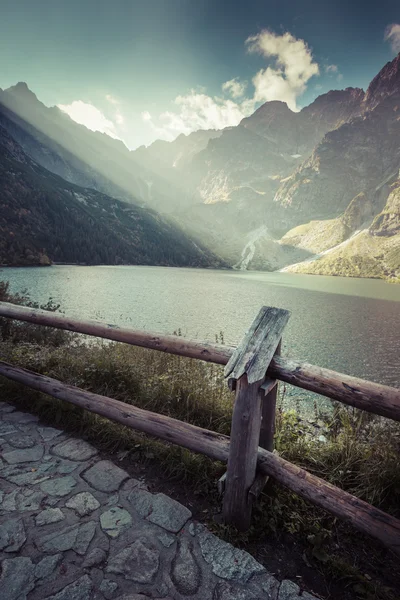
(75, 527)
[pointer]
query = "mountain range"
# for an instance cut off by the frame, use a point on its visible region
(315, 191)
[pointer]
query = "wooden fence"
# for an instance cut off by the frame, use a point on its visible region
(252, 370)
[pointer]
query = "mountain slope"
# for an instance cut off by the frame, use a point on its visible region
(45, 218)
(104, 162)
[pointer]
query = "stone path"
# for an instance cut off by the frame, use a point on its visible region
(75, 527)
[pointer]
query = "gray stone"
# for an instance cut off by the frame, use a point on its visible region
(270, 586)
(74, 449)
(135, 597)
(49, 433)
(160, 509)
(78, 590)
(97, 556)
(225, 591)
(50, 515)
(108, 587)
(83, 503)
(25, 474)
(138, 562)
(115, 520)
(21, 418)
(226, 561)
(6, 428)
(166, 539)
(22, 441)
(22, 500)
(17, 578)
(12, 535)
(288, 590)
(104, 476)
(47, 565)
(76, 537)
(60, 486)
(185, 572)
(6, 408)
(21, 456)
(195, 528)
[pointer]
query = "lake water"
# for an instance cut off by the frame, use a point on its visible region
(349, 325)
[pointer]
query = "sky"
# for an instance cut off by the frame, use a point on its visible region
(152, 69)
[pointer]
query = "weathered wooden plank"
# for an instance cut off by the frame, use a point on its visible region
(168, 429)
(258, 346)
(363, 516)
(242, 463)
(267, 430)
(172, 344)
(365, 395)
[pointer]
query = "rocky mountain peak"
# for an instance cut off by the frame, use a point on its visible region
(22, 90)
(385, 84)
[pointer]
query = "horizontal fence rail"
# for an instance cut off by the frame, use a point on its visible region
(361, 515)
(365, 395)
(252, 370)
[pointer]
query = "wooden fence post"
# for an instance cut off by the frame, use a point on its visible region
(246, 371)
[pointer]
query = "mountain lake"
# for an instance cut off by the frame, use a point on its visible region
(348, 325)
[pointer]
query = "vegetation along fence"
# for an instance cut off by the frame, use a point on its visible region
(252, 370)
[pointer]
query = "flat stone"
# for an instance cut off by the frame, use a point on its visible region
(104, 476)
(226, 561)
(288, 590)
(22, 441)
(166, 539)
(50, 515)
(12, 535)
(60, 486)
(78, 590)
(26, 474)
(7, 428)
(83, 503)
(138, 562)
(22, 500)
(76, 537)
(108, 587)
(97, 556)
(270, 586)
(74, 449)
(160, 509)
(225, 591)
(21, 418)
(17, 578)
(47, 565)
(21, 456)
(6, 408)
(115, 520)
(49, 433)
(185, 572)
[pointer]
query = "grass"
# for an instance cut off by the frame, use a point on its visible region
(358, 453)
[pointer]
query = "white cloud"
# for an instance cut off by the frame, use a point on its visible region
(146, 116)
(234, 87)
(196, 111)
(112, 99)
(331, 69)
(286, 79)
(86, 114)
(294, 67)
(392, 35)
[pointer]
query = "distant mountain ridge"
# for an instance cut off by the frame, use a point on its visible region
(44, 218)
(309, 189)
